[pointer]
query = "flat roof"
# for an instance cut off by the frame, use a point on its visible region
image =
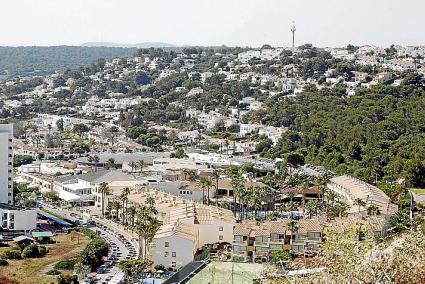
(46, 234)
(21, 238)
(54, 218)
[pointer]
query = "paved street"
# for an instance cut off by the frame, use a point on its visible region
(121, 248)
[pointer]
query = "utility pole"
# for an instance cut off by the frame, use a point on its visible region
(293, 29)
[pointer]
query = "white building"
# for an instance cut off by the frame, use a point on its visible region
(6, 163)
(248, 129)
(175, 245)
(351, 189)
(209, 120)
(17, 219)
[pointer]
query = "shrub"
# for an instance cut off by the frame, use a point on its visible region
(12, 253)
(94, 251)
(53, 272)
(3, 262)
(30, 251)
(159, 267)
(87, 232)
(67, 279)
(65, 264)
(42, 251)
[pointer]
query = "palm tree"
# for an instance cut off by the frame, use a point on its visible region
(109, 209)
(359, 202)
(311, 207)
(124, 198)
(110, 164)
(131, 214)
(205, 183)
(141, 165)
(292, 226)
(150, 201)
(216, 177)
(236, 182)
(373, 210)
(116, 205)
(304, 188)
(340, 208)
(256, 197)
(291, 206)
(133, 166)
(104, 190)
(152, 228)
(90, 160)
(95, 161)
(291, 195)
(140, 226)
(331, 196)
(146, 226)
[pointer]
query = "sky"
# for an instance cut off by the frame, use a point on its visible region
(324, 23)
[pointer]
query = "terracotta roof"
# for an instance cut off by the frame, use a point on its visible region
(242, 229)
(310, 225)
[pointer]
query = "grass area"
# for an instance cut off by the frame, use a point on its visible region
(221, 273)
(58, 215)
(29, 271)
(418, 190)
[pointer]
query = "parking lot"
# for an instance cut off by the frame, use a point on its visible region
(121, 249)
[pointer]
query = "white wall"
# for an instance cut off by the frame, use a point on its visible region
(23, 219)
(184, 249)
(209, 233)
(6, 193)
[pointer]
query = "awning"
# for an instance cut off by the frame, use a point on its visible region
(53, 218)
(22, 238)
(47, 234)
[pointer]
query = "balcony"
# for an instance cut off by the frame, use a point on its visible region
(313, 239)
(298, 242)
(261, 244)
(261, 254)
(236, 242)
(277, 241)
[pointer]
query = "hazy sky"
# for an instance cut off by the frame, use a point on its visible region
(212, 22)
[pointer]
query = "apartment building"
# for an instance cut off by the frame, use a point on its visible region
(186, 226)
(255, 241)
(6, 163)
(17, 219)
(174, 245)
(351, 189)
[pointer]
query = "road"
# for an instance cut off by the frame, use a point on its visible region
(121, 248)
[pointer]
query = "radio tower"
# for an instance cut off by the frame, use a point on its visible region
(293, 29)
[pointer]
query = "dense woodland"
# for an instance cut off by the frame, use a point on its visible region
(377, 134)
(46, 60)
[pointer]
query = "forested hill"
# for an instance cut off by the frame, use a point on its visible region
(377, 134)
(30, 60)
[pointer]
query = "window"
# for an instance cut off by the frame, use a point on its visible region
(173, 264)
(167, 244)
(166, 254)
(297, 248)
(173, 254)
(220, 228)
(220, 237)
(276, 247)
(314, 234)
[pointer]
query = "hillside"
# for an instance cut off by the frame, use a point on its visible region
(128, 45)
(36, 60)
